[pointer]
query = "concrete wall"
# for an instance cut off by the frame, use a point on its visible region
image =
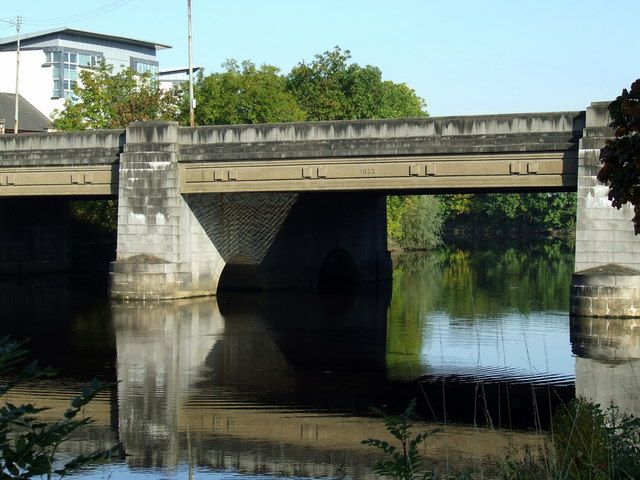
(603, 234)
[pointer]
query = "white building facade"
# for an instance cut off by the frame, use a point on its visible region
(50, 62)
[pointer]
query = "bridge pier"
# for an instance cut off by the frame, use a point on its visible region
(162, 252)
(174, 245)
(607, 278)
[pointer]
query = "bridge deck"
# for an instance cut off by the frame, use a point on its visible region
(482, 153)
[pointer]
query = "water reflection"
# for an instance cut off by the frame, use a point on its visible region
(161, 348)
(275, 384)
(486, 332)
(608, 361)
(283, 383)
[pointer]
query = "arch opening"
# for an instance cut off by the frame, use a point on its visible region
(238, 274)
(338, 272)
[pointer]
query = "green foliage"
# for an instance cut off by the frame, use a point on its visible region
(401, 462)
(621, 155)
(243, 94)
(414, 222)
(592, 444)
(27, 445)
(103, 213)
(534, 212)
(330, 88)
(106, 100)
(587, 443)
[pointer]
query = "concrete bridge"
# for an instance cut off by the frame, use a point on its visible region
(282, 205)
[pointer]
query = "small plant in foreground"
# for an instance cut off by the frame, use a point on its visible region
(28, 445)
(590, 443)
(587, 443)
(402, 462)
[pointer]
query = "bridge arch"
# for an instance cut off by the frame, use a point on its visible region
(338, 271)
(241, 273)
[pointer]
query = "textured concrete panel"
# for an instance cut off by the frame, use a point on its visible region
(242, 226)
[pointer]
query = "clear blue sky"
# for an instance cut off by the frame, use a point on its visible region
(462, 56)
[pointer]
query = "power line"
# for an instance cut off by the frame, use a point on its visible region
(87, 14)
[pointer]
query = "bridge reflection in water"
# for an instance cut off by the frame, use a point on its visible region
(282, 383)
(269, 385)
(608, 361)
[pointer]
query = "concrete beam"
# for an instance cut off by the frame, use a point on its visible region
(486, 172)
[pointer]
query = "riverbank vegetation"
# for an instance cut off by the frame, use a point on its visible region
(586, 442)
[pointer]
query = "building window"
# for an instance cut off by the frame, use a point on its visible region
(66, 66)
(144, 67)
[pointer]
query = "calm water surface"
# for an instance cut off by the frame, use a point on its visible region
(256, 385)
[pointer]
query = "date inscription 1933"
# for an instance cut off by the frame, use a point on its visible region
(367, 171)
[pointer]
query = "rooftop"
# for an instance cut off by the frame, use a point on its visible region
(31, 119)
(73, 31)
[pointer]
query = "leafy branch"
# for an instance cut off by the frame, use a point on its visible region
(402, 462)
(28, 446)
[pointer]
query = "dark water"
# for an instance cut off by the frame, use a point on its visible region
(250, 385)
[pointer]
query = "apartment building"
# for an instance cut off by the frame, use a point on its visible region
(51, 60)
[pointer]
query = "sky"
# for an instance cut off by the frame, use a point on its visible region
(463, 57)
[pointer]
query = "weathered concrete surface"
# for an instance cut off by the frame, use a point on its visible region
(356, 138)
(533, 151)
(607, 278)
(34, 235)
(483, 153)
(603, 234)
(68, 164)
(606, 291)
(163, 251)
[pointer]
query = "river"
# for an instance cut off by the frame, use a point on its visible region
(251, 385)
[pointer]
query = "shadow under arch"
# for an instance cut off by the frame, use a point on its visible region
(241, 273)
(338, 273)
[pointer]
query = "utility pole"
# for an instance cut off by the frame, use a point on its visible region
(17, 112)
(192, 101)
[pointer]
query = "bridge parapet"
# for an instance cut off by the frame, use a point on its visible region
(60, 163)
(352, 138)
(61, 148)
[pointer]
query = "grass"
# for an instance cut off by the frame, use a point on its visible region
(586, 443)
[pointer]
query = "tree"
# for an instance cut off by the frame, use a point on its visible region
(243, 93)
(414, 222)
(105, 100)
(329, 88)
(545, 212)
(621, 155)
